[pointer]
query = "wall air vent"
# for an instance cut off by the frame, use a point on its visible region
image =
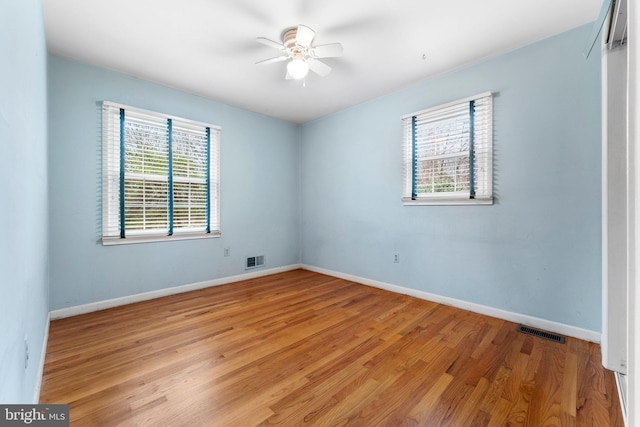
(254, 262)
(541, 334)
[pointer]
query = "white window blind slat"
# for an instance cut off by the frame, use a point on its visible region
(146, 174)
(190, 168)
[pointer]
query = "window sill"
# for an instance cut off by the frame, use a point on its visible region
(112, 241)
(445, 201)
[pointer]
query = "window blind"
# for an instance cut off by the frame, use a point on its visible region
(160, 175)
(447, 151)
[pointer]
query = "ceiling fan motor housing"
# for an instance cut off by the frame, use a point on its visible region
(289, 37)
(289, 41)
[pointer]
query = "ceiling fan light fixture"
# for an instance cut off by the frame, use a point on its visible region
(298, 69)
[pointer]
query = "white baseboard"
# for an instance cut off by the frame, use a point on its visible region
(43, 355)
(559, 328)
(115, 302)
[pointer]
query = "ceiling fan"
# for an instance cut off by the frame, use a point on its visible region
(297, 46)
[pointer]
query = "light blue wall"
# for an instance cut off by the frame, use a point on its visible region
(23, 189)
(535, 252)
(259, 191)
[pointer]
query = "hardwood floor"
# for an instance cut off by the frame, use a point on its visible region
(301, 348)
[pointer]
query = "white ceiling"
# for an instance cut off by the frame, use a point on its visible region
(208, 47)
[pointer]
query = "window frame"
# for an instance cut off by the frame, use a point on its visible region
(480, 161)
(114, 172)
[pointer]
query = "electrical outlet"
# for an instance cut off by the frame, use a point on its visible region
(26, 353)
(396, 258)
(227, 252)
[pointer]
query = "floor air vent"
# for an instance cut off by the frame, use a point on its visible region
(254, 262)
(541, 334)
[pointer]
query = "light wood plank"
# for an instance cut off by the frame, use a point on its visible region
(301, 348)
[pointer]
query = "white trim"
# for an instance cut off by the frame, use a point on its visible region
(43, 355)
(141, 238)
(604, 194)
(633, 128)
(445, 201)
(116, 302)
(615, 229)
(448, 104)
(560, 328)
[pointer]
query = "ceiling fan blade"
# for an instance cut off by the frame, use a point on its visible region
(272, 60)
(270, 42)
(328, 50)
(320, 68)
(304, 36)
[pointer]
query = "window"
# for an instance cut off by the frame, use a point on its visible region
(160, 178)
(448, 153)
